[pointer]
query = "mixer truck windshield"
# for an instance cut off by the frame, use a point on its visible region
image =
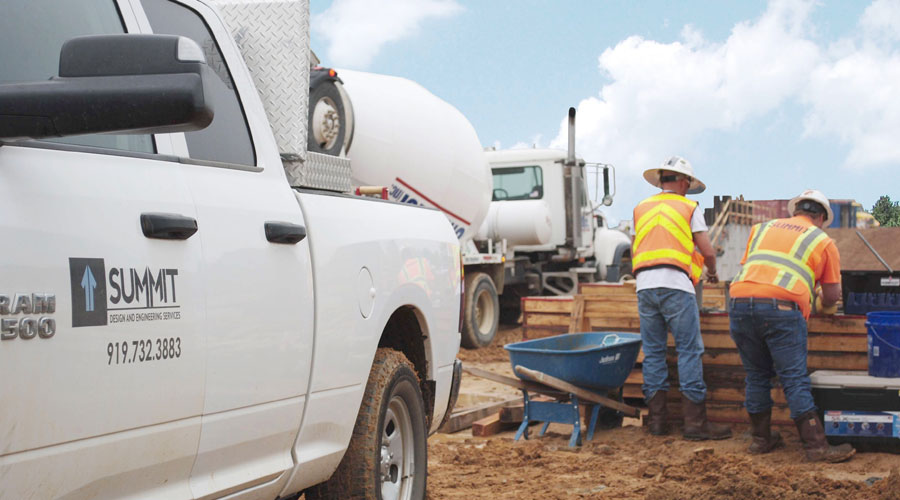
(518, 183)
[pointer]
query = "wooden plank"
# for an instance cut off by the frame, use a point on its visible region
(629, 299)
(816, 342)
(621, 289)
(609, 308)
(488, 426)
(725, 395)
(531, 332)
(512, 414)
(464, 419)
(547, 306)
(613, 323)
(733, 413)
(815, 361)
(562, 385)
(633, 391)
(715, 322)
(711, 338)
(577, 321)
(837, 324)
(533, 319)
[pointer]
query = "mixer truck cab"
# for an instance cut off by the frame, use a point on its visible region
(191, 305)
(542, 207)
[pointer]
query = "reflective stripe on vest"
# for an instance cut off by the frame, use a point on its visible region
(660, 222)
(793, 267)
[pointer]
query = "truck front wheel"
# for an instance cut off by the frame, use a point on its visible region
(482, 311)
(387, 457)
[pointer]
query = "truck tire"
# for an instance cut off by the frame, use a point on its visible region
(386, 459)
(327, 119)
(482, 311)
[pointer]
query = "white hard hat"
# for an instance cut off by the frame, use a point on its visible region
(816, 196)
(676, 164)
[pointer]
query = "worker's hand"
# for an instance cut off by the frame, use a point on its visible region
(820, 306)
(712, 278)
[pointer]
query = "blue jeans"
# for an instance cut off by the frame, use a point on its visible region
(772, 341)
(664, 310)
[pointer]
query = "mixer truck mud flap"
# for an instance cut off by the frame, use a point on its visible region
(621, 265)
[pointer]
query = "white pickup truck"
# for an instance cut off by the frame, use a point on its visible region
(181, 314)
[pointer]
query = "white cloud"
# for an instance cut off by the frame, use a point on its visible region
(662, 98)
(855, 94)
(356, 30)
(882, 19)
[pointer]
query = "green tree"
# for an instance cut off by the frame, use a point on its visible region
(886, 212)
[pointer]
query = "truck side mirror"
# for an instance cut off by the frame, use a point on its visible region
(607, 195)
(112, 83)
(608, 173)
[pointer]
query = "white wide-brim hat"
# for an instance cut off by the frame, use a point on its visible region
(816, 196)
(679, 165)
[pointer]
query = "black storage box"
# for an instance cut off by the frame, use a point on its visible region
(867, 291)
(858, 409)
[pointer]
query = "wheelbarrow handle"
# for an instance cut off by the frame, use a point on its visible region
(517, 383)
(584, 394)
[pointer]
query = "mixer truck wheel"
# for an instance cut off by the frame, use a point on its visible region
(327, 119)
(387, 456)
(482, 312)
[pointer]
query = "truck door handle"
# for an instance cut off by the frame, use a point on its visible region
(285, 232)
(168, 226)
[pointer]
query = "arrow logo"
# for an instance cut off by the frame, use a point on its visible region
(87, 279)
(88, 283)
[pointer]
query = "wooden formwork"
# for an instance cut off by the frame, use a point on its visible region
(835, 342)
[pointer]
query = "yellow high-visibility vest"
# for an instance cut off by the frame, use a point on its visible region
(663, 235)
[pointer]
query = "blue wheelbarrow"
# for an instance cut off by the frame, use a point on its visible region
(573, 368)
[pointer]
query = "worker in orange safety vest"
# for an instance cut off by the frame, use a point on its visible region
(771, 299)
(669, 251)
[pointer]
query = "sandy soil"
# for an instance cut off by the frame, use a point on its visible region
(629, 463)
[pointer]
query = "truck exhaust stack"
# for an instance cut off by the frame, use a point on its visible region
(570, 158)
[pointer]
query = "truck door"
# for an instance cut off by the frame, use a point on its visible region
(258, 288)
(102, 360)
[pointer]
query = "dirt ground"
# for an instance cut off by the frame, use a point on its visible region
(629, 463)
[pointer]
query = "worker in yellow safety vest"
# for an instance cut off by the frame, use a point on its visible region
(669, 251)
(770, 300)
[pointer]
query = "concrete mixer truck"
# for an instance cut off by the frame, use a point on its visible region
(424, 152)
(527, 228)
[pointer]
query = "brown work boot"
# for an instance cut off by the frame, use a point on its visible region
(764, 439)
(656, 419)
(809, 425)
(697, 427)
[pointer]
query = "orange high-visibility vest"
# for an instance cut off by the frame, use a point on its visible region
(780, 253)
(663, 237)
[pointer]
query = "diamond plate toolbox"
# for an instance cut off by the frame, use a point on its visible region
(273, 37)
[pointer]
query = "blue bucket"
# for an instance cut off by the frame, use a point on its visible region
(884, 343)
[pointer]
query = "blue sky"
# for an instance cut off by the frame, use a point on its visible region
(765, 99)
